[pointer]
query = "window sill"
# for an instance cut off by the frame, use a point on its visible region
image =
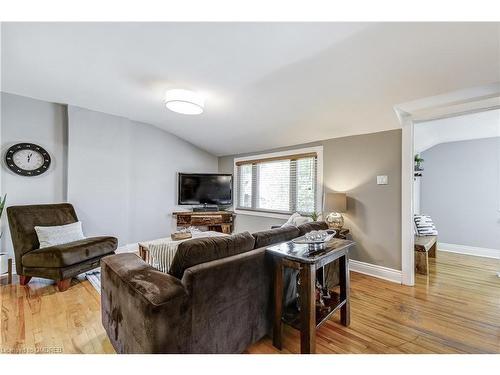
(262, 214)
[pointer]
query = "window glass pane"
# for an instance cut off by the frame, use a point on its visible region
(273, 185)
(245, 186)
(278, 185)
(306, 182)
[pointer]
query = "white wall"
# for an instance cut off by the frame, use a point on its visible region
(119, 174)
(476, 125)
(460, 190)
(98, 169)
(28, 120)
(122, 174)
(157, 157)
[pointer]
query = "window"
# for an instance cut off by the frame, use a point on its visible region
(245, 186)
(278, 183)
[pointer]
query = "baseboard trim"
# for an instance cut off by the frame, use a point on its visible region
(374, 270)
(469, 250)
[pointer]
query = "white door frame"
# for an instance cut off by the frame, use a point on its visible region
(427, 109)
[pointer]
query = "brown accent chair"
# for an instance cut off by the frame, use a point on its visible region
(216, 298)
(61, 262)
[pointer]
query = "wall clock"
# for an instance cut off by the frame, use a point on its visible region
(27, 159)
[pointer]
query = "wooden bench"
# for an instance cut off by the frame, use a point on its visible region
(425, 247)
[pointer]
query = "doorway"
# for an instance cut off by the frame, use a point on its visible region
(456, 103)
(456, 189)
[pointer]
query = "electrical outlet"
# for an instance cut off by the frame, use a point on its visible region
(382, 180)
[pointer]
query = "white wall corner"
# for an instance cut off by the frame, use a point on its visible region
(374, 270)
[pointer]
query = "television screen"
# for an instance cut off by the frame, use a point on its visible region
(200, 188)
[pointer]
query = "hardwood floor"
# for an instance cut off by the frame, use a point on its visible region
(38, 319)
(456, 309)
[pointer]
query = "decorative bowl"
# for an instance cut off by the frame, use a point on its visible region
(315, 237)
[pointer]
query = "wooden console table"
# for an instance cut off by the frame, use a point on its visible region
(310, 316)
(218, 221)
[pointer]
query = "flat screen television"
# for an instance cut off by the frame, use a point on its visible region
(206, 189)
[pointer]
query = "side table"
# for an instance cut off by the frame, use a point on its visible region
(342, 233)
(310, 317)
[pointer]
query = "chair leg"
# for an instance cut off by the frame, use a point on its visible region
(24, 280)
(63, 285)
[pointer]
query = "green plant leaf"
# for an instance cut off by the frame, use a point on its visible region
(2, 204)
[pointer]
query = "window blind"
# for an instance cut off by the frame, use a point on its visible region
(279, 184)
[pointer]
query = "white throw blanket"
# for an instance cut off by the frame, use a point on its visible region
(162, 251)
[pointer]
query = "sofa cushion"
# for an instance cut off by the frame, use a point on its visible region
(202, 250)
(70, 253)
(272, 236)
(315, 225)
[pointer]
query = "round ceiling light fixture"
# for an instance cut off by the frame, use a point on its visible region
(183, 101)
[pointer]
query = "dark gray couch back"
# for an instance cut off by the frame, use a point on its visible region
(202, 250)
(272, 236)
(222, 304)
(315, 225)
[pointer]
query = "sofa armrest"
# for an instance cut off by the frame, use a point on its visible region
(143, 310)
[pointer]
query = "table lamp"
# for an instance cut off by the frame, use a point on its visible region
(335, 204)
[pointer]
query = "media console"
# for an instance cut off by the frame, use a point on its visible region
(219, 221)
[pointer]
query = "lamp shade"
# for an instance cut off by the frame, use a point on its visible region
(336, 202)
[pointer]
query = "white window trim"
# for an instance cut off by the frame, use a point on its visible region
(319, 179)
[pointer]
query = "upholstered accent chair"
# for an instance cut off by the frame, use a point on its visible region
(61, 262)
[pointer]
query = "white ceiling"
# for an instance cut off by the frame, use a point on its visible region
(460, 128)
(267, 84)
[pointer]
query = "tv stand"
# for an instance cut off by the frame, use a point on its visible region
(219, 221)
(206, 208)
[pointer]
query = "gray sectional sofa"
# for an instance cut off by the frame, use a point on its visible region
(217, 297)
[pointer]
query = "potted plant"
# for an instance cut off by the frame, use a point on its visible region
(418, 163)
(314, 216)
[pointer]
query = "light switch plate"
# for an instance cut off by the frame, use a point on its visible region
(382, 180)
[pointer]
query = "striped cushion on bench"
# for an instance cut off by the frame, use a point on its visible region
(424, 226)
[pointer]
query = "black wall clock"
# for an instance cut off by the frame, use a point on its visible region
(27, 159)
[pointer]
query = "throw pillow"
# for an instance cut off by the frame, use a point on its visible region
(291, 219)
(425, 226)
(296, 219)
(58, 235)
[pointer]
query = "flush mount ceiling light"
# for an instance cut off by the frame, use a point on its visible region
(184, 101)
